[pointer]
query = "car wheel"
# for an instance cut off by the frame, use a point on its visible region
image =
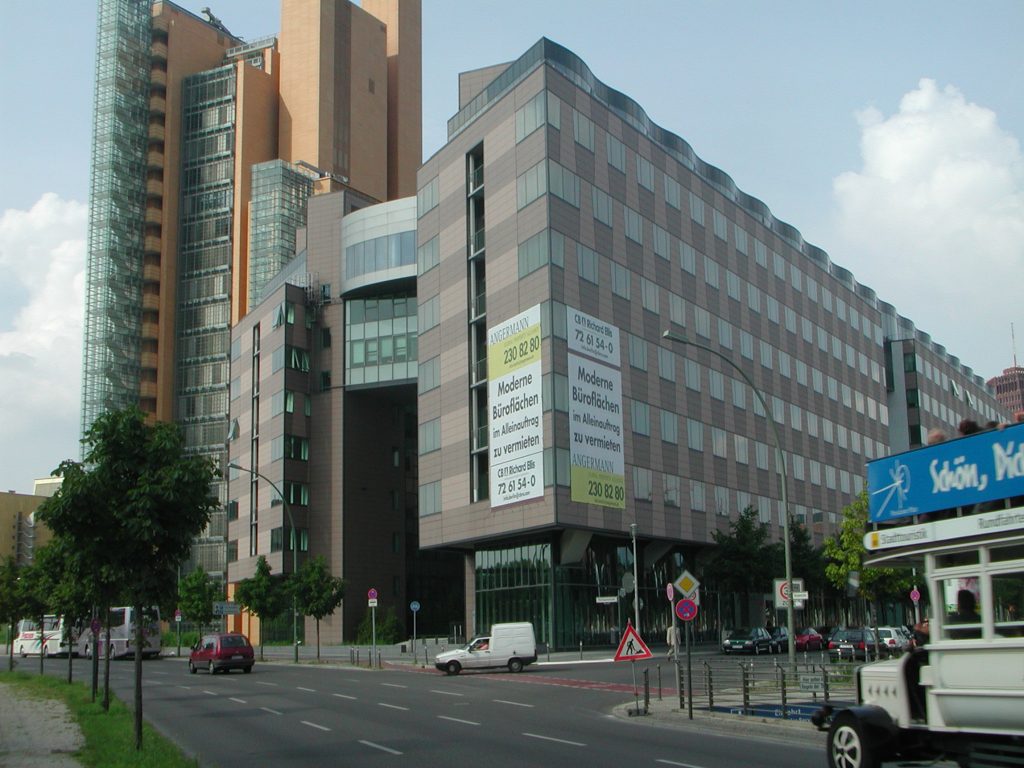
(848, 746)
(515, 665)
(192, 668)
(453, 668)
(210, 668)
(757, 649)
(248, 669)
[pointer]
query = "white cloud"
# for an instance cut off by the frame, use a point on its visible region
(42, 271)
(934, 221)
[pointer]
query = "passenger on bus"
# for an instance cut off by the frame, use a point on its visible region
(966, 613)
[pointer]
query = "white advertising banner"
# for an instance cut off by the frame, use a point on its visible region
(597, 472)
(516, 439)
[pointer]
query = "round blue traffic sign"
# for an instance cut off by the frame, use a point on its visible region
(686, 609)
(414, 606)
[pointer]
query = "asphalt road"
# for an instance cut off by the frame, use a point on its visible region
(334, 715)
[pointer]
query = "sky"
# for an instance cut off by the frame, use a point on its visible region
(888, 133)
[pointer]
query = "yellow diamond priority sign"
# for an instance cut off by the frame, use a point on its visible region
(686, 584)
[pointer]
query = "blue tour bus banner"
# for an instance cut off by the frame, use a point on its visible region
(957, 473)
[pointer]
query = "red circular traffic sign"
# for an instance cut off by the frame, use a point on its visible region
(915, 596)
(371, 593)
(686, 609)
(670, 592)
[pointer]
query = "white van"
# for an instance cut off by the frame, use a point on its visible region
(509, 645)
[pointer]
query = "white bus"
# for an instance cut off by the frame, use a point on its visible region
(957, 509)
(121, 643)
(50, 641)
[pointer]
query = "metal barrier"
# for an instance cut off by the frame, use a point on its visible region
(762, 688)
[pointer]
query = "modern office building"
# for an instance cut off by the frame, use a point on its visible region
(20, 533)
(1009, 388)
(570, 232)
(205, 148)
(323, 399)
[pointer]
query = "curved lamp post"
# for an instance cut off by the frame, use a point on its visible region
(780, 464)
(295, 548)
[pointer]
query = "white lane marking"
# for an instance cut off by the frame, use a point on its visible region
(448, 693)
(186, 687)
(210, 693)
(681, 765)
(456, 720)
(314, 725)
(552, 738)
(154, 672)
(394, 685)
(343, 696)
(381, 748)
(513, 703)
(392, 706)
(153, 682)
(260, 682)
(307, 690)
(240, 701)
(271, 711)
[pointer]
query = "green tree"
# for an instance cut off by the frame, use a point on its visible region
(35, 586)
(387, 628)
(263, 595)
(10, 601)
(196, 596)
(68, 594)
(743, 561)
(132, 509)
(317, 592)
(845, 554)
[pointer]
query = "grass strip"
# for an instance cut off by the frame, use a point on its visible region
(109, 736)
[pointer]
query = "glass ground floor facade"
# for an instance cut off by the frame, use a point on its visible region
(589, 601)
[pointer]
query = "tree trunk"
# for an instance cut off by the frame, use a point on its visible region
(106, 665)
(10, 655)
(318, 639)
(71, 656)
(140, 627)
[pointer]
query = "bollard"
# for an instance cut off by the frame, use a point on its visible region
(745, 677)
(647, 691)
(709, 685)
(352, 656)
(824, 681)
(380, 665)
(681, 684)
(659, 682)
(782, 686)
(581, 652)
(357, 657)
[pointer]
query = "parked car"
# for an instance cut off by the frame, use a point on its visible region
(895, 640)
(855, 644)
(221, 652)
(748, 640)
(808, 639)
(780, 640)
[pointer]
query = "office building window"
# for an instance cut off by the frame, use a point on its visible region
(634, 225)
(640, 414)
(662, 245)
(696, 209)
(691, 373)
(698, 502)
(427, 197)
(531, 184)
(616, 153)
(688, 258)
(643, 484)
(602, 206)
(533, 253)
(644, 173)
(673, 192)
(583, 130)
(620, 280)
(637, 352)
(649, 295)
(666, 364)
(587, 263)
(721, 225)
(669, 427)
(428, 256)
(694, 435)
(672, 490)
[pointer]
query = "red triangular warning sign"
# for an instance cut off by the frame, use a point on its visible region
(631, 646)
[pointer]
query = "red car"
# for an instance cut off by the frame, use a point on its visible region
(221, 652)
(809, 640)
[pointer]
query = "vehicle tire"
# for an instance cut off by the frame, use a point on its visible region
(192, 668)
(248, 669)
(453, 668)
(515, 665)
(848, 745)
(210, 668)
(757, 649)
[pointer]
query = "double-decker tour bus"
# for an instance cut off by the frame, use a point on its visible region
(50, 640)
(957, 509)
(121, 642)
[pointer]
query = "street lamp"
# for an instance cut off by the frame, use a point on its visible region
(295, 548)
(636, 584)
(780, 464)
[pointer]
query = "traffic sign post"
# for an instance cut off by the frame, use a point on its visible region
(631, 648)
(414, 606)
(686, 609)
(371, 596)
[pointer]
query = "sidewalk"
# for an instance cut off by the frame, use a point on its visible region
(36, 733)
